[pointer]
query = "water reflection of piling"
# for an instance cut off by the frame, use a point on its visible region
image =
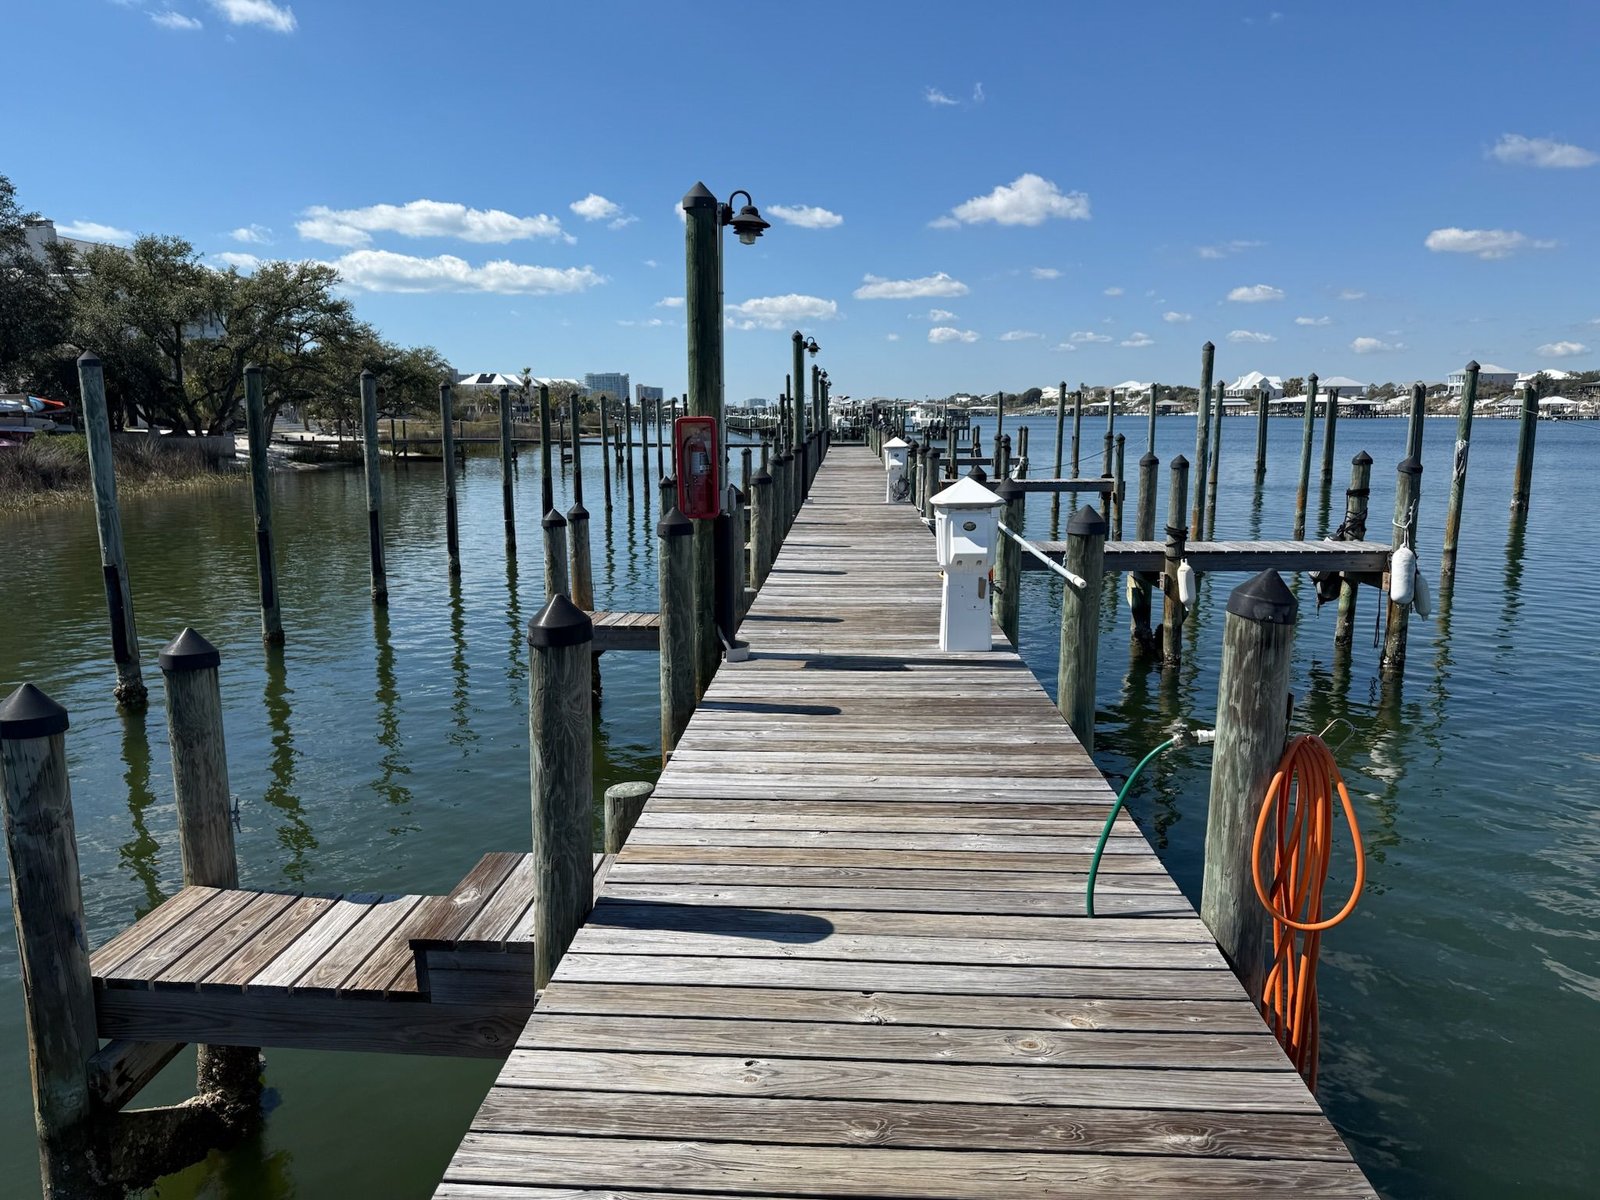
(392, 767)
(461, 693)
(295, 834)
(452, 529)
(369, 452)
(140, 852)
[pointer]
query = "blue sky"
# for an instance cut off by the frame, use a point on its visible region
(975, 196)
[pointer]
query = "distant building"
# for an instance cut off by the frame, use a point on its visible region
(1244, 387)
(41, 234)
(611, 383)
(1490, 378)
(644, 393)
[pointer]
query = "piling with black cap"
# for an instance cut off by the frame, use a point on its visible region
(1522, 481)
(130, 690)
(557, 579)
(1458, 474)
(1215, 467)
(255, 411)
(52, 942)
(1261, 434)
(1329, 431)
(1252, 725)
(1119, 487)
(1080, 621)
(508, 454)
(627, 439)
(1202, 440)
(1407, 494)
(447, 436)
(677, 634)
(1172, 606)
(761, 519)
(1007, 590)
(1307, 429)
(578, 559)
(1144, 529)
(369, 453)
(935, 482)
(1077, 430)
(605, 460)
(1356, 498)
(561, 750)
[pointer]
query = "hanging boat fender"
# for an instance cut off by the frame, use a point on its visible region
(1402, 575)
(1421, 601)
(1129, 589)
(1185, 583)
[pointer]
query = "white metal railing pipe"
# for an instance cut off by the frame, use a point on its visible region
(1074, 580)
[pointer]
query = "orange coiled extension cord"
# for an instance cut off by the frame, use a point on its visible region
(1299, 805)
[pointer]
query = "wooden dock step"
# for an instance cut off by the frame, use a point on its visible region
(626, 631)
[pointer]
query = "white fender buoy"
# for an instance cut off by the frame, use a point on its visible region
(1421, 601)
(1185, 583)
(1402, 575)
(1128, 590)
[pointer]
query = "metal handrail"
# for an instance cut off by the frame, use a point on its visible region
(1075, 580)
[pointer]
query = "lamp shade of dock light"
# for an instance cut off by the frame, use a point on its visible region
(747, 223)
(966, 534)
(895, 452)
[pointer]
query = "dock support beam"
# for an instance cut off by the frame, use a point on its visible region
(1080, 623)
(561, 746)
(261, 503)
(447, 436)
(1172, 613)
(369, 449)
(1252, 725)
(1458, 476)
(1355, 527)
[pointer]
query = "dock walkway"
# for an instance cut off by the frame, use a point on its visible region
(843, 952)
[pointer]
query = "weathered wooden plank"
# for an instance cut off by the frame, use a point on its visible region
(763, 873)
(366, 938)
(316, 940)
(108, 959)
(1110, 901)
(466, 899)
(226, 939)
(240, 967)
(939, 860)
(167, 949)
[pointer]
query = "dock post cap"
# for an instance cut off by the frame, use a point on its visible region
(1410, 466)
(1180, 461)
(577, 512)
(1208, 346)
(560, 623)
(1086, 522)
(255, 369)
(29, 713)
(1149, 459)
(1362, 459)
(1265, 598)
(367, 373)
(760, 479)
(634, 789)
(1472, 365)
(699, 196)
(1009, 489)
(88, 359)
(1311, 378)
(188, 652)
(978, 474)
(675, 524)
(553, 520)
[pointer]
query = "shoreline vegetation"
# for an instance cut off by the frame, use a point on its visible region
(55, 469)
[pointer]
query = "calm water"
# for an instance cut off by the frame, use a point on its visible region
(387, 752)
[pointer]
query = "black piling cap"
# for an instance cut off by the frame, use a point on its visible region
(699, 196)
(188, 652)
(1265, 598)
(979, 474)
(1410, 466)
(553, 520)
(577, 512)
(761, 478)
(1473, 365)
(254, 369)
(88, 359)
(1180, 461)
(29, 713)
(675, 524)
(1362, 459)
(560, 623)
(1086, 522)
(1010, 490)
(1149, 459)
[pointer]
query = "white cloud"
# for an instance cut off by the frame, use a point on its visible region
(977, 93)
(1227, 249)
(1255, 294)
(937, 98)
(423, 218)
(1045, 273)
(236, 258)
(1112, 291)
(652, 263)
(946, 333)
(939, 315)
(1352, 294)
(595, 207)
(1541, 152)
(1066, 346)
(945, 222)
(1177, 318)
(1372, 345)
(1250, 336)
(875, 287)
(670, 302)
(1313, 320)
(652, 323)
(257, 12)
(891, 337)
(1562, 349)
(386, 271)
(252, 235)
(1019, 335)
(1028, 200)
(1084, 335)
(807, 216)
(1136, 340)
(776, 312)
(1485, 243)
(93, 231)
(168, 19)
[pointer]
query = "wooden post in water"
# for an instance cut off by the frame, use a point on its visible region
(369, 448)
(447, 436)
(229, 1075)
(1307, 429)
(623, 804)
(661, 439)
(1522, 482)
(1202, 436)
(557, 579)
(1150, 431)
(1007, 590)
(1216, 468)
(578, 556)
(1080, 623)
(1111, 430)
(761, 518)
(52, 942)
(1407, 492)
(1252, 724)
(255, 410)
(605, 459)
(1329, 429)
(744, 539)
(561, 747)
(1172, 611)
(1261, 434)
(935, 482)
(627, 441)
(1458, 475)
(1061, 437)
(507, 455)
(1355, 525)
(644, 445)
(130, 690)
(1144, 530)
(1120, 492)
(1414, 420)
(1077, 430)
(677, 636)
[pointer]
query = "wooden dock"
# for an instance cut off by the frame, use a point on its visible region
(843, 952)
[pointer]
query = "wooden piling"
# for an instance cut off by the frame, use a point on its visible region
(1080, 623)
(1077, 430)
(130, 691)
(1407, 493)
(557, 577)
(1355, 526)
(1215, 468)
(1144, 523)
(447, 436)
(1261, 434)
(1111, 431)
(605, 459)
(623, 804)
(369, 447)
(52, 941)
(675, 560)
(1330, 428)
(761, 518)
(1172, 610)
(1308, 426)
(935, 483)
(627, 441)
(507, 456)
(1202, 436)
(1061, 434)
(561, 750)
(1252, 726)
(1522, 481)
(579, 564)
(1007, 590)
(1414, 420)
(1150, 431)
(1119, 491)
(261, 503)
(1458, 475)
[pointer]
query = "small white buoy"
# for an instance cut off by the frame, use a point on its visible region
(1421, 601)
(1402, 575)
(1129, 589)
(1186, 580)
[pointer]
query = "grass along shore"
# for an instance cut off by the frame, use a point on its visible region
(49, 470)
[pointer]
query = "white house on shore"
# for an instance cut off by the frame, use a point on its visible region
(1490, 378)
(1244, 387)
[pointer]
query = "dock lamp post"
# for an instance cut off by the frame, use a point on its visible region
(705, 217)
